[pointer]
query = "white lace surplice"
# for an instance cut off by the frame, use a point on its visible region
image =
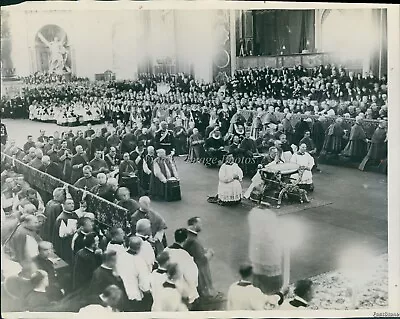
(230, 189)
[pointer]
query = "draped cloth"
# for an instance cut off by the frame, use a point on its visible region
(265, 249)
(229, 188)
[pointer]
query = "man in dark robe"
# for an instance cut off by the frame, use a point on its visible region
(87, 182)
(214, 147)
(37, 300)
(148, 168)
(128, 174)
(112, 159)
(52, 211)
(105, 275)
(98, 164)
(49, 167)
(158, 224)
(201, 257)
(64, 230)
(248, 148)
(163, 170)
(86, 226)
(333, 143)
(318, 133)
(137, 156)
(78, 161)
(80, 140)
(43, 262)
(128, 142)
(103, 189)
(164, 138)
(30, 143)
(126, 201)
(300, 128)
(356, 148)
(64, 157)
(98, 143)
(378, 149)
(87, 260)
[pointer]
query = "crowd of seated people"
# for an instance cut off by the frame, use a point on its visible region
(326, 90)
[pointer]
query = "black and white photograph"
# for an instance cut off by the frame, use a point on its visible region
(199, 158)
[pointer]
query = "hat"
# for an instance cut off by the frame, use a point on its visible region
(309, 120)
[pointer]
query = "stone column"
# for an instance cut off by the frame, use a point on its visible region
(233, 40)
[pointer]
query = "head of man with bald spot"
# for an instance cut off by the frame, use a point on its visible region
(59, 195)
(144, 203)
(134, 244)
(143, 227)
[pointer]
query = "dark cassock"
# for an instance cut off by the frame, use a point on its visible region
(78, 238)
(146, 139)
(300, 128)
(64, 230)
(77, 173)
(52, 210)
(248, 147)
(89, 133)
(28, 145)
(138, 156)
(86, 262)
(234, 149)
(103, 277)
(128, 176)
(378, 148)
(164, 140)
(83, 142)
(163, 170)
(333, 143)
(104, 191)
(112, 161)
(196, 116)
(309, 142)
(148, 171)
(196, 249)
(53, 290)
(64, 158)
(158, 227)
(99, 143)
(128, 143)
(180, 137)
(224, 119)
(99, 166)
(356, 148)
(52, 169)
(318, 135)
(113, 141)
(129, 204)
(214, 147)
(86, 183)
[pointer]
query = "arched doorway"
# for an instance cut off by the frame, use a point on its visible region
(53, 51)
